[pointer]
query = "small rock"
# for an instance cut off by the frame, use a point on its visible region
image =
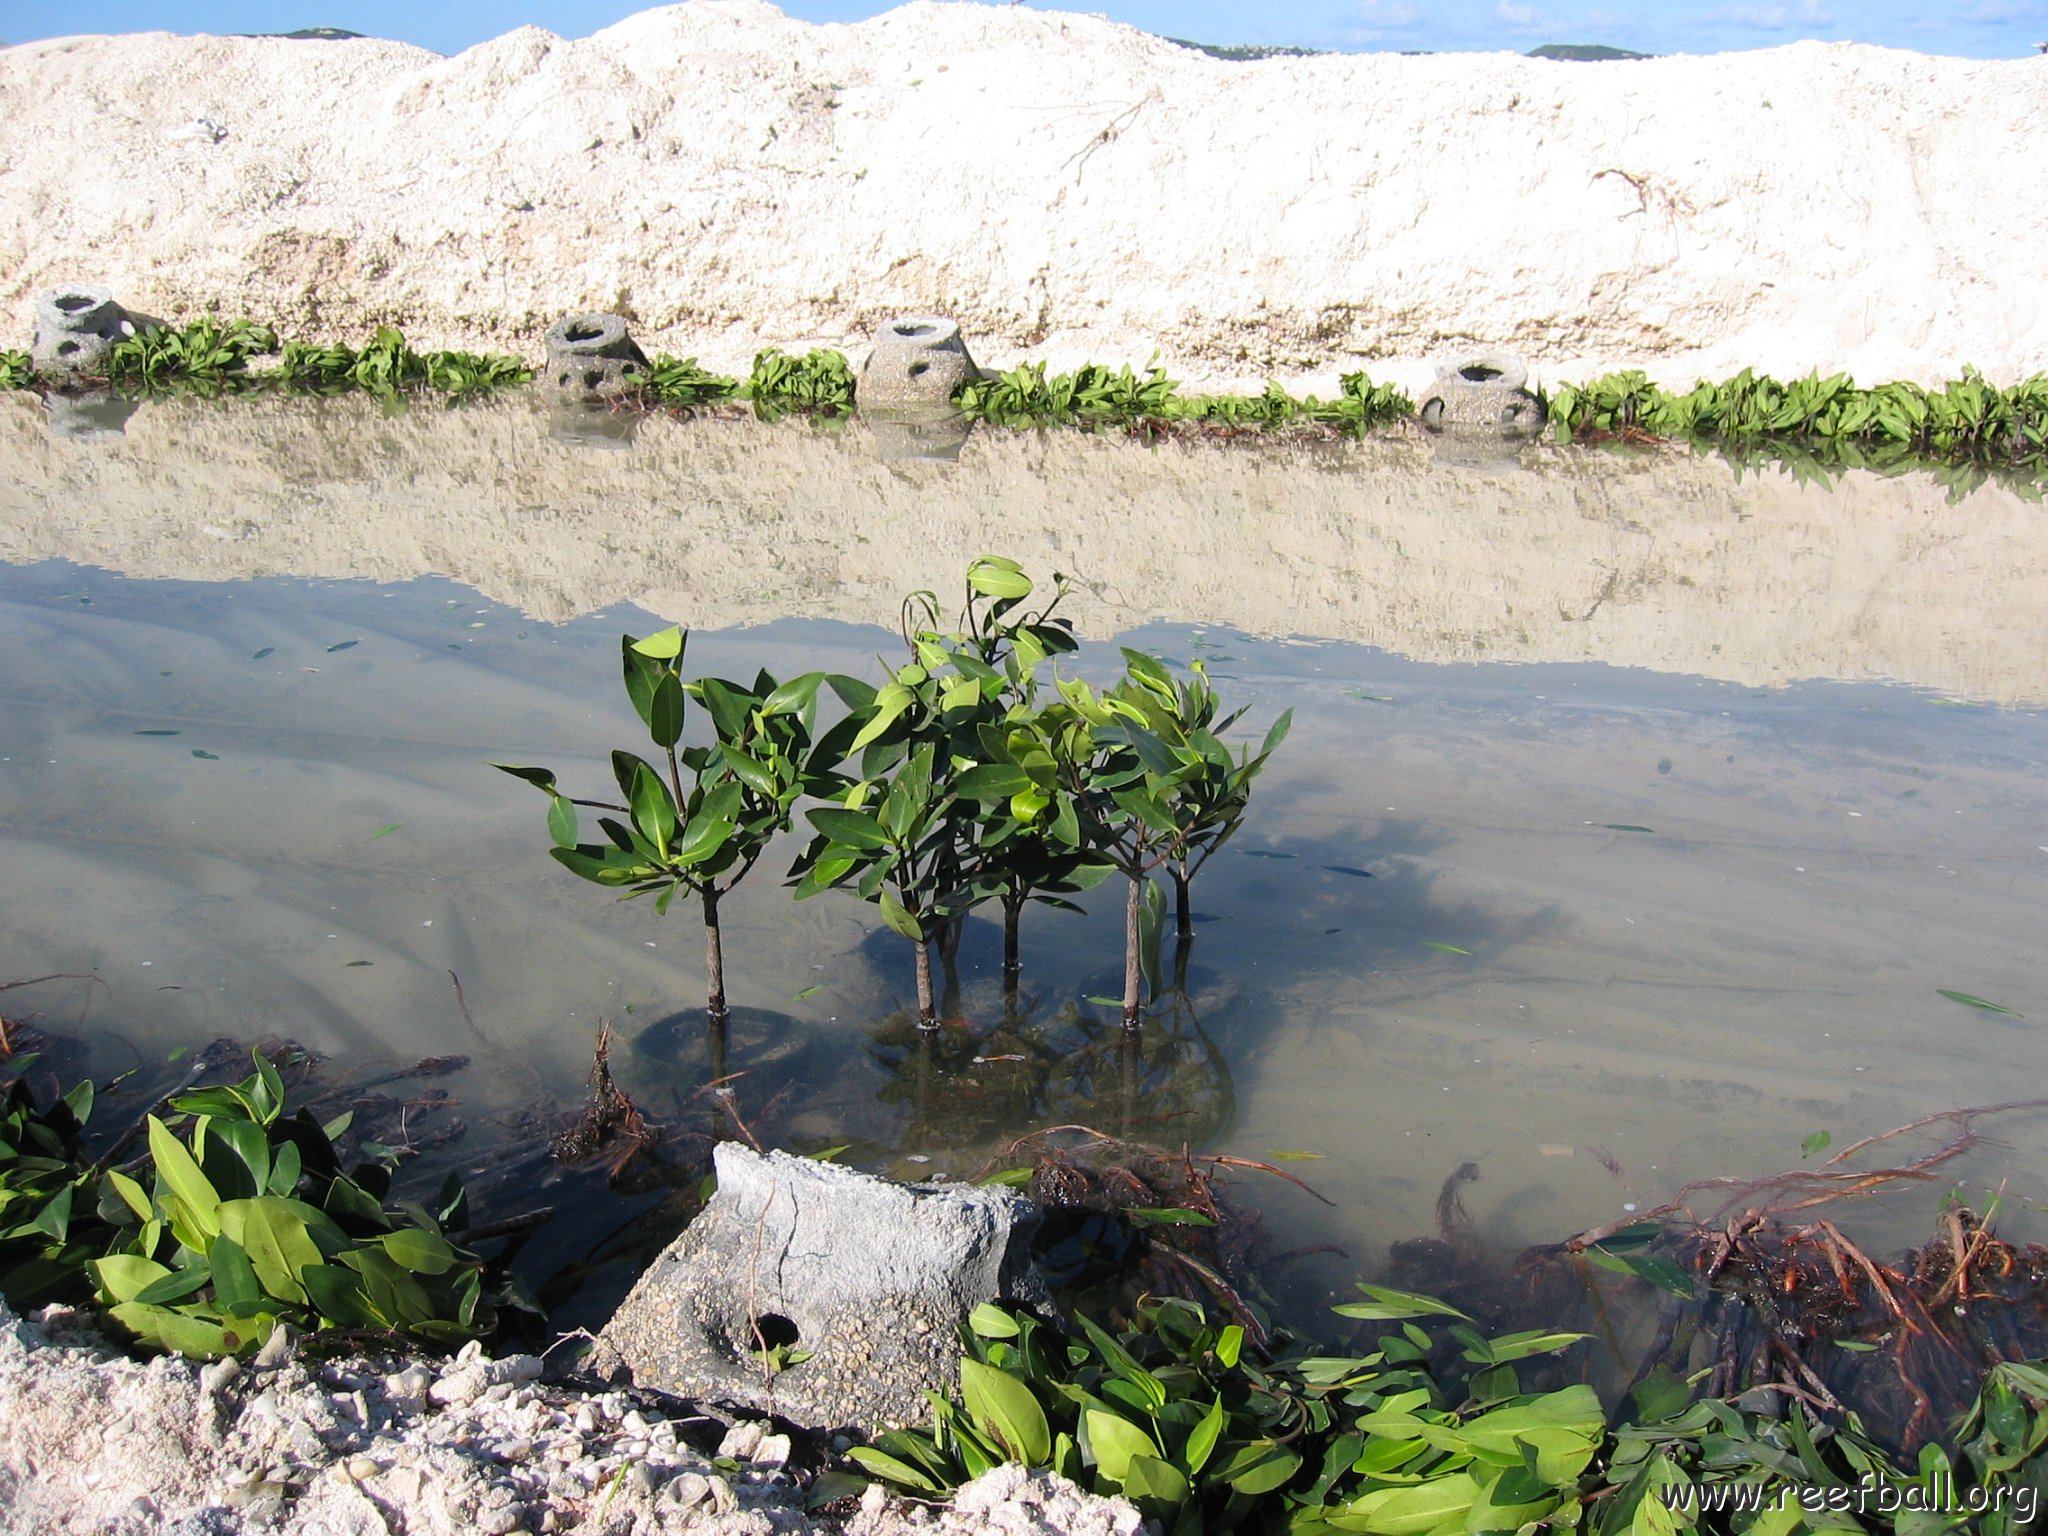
(459, 1388)
(361, 1467)
(501, 1521)
(687, 1491)
(516, 1450)
(771, 1451)
(276, 1350)
(741, 1440)
(586, 1419)
(516, 1369)
(217, 1375)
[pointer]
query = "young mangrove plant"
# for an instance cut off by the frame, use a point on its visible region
(680, 382)
(1208, 789)
(234, 1217)
(817, 383)
(1206, 1431)
(1968, 418)
(1156, 789)
(922, 832)
(17, 370)
(698, 823)
(204, 351)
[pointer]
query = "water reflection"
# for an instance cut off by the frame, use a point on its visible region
(1597, 932)
(910, 435)
(89, 415)
(1659, 560)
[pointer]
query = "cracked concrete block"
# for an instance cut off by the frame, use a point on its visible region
(593, 357)
(1482, 392)
(871, 1277)
(916, 360)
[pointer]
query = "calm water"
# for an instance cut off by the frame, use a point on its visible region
(1601, 929)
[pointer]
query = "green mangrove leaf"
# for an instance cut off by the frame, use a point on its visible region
(1388, 1305)
(898, 917)
(125, 1276)
(1977, 1002)
(191, 1188)
(421, 1251)
(1007, 1411)
(852, 829)
(991, 1322)
(235, 1290)
(173, 1332)
(663, 645)
(1114, 1441)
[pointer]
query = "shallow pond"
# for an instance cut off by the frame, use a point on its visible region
(1634, 817)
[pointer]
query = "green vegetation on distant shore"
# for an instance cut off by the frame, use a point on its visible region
(1966, 430)
(1820, 425)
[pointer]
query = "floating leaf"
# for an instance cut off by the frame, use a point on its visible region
(1977, 1002)
(353, 963)
(1349, 869)
(157, 733)
(345, 645)
(1359, 693)
(204, 755)
(1167, 1216)
(1817, 1142)
(1290, 1156)
(1449, 949)
(1622, 826)
(384, 831)
(268, 650)
(1103, 1002)
(1265, 853)
(811, 991)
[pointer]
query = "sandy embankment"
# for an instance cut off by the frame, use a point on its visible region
(1066, 187)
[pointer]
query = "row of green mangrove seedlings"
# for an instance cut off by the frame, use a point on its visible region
(1819, 424)
(1969, 421)
(974, 773)
(1421, 1433)
(216, 357)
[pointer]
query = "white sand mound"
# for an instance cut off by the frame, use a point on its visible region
(1065, 186)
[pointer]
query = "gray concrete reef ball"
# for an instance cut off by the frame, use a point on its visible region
(917, 360)
(1482, 392)
(593, 357)
(872, 1277)
(77, 329)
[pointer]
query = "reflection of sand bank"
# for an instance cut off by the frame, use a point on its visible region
(1663, 561)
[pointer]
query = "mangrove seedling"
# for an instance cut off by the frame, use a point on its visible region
(1210, 788)
(915, 835)
(699, 822)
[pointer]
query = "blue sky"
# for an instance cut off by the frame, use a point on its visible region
(1973, 28)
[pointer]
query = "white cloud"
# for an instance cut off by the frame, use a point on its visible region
(1769, 18)
(1386, 15)
(1518, 15)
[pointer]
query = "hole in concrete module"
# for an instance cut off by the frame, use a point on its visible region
(1478, 373)
(581, 331)
(66, 348)
(912, 328)
(918, 368)
(776, 1331)
(592, 377)
(72, 303)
